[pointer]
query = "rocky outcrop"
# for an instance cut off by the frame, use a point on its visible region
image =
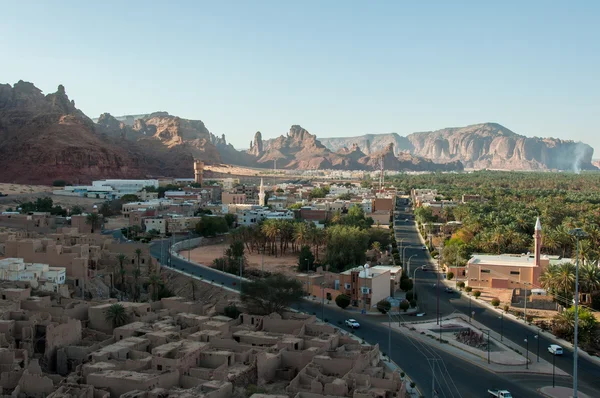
(45, 137)
(256, 146)
(406, 162)
(480, 146)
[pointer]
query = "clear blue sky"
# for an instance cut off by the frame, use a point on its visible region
(335, 67)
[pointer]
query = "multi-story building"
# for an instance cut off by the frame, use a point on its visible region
(15, 269)
(366, 286)
(228, 198)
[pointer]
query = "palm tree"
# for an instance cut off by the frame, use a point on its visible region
(155, 282)
(122, 258)
(589, 278)
(116, 315)
(300, 234)
(271, 231)
(376, 246)
(138, 254)
(92, 219)
(136, 287)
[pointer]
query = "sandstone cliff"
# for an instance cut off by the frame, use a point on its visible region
(299, 149)
(45, 137)
(487, 145)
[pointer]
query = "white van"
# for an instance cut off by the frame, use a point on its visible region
(555, 349)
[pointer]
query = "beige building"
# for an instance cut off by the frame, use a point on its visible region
(510, 271)
(366, 286)
(228, 198)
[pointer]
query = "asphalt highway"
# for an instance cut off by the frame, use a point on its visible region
(428, 292)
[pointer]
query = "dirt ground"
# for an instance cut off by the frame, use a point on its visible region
(286, 265)
(181, 285)
(15, 189)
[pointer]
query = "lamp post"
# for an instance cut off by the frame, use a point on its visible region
(415, 280)
(578, 233)
(389, 336)
(470, 312)
(408, 264)
(404, 256)
(527, 350)
(401, 241)
(501, 326)
(537, 337)
(553, 370)
(488, 344)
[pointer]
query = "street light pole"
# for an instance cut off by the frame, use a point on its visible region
(323, 301)
(527, 350)
(502, 327)
(553, 370)
(415, 281)
(578, 233)
(537, 337)
(408, 264)
(389, 336)
(488, 343)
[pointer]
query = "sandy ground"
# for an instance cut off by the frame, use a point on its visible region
(181, 285)
(14, 189)
(206, 254)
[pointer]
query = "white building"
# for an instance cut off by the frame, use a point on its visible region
(159, 224)
(107, 189)
(15, 269)
(367, 206)
(252, 217)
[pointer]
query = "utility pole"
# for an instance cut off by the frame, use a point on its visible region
(578, 233)
(525, 301)
(241, 270)
(189, 246)
(389, 336)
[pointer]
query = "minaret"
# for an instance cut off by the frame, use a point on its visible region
(198, 171)
(261, 194)
(537, 236)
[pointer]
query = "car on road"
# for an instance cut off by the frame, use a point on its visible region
(449, 290)
(421, 314)
(352, 323)
(406, 220)
(424, 247)
(555, 349)
(500, 393)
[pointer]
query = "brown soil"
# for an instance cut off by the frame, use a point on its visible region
(286, 264)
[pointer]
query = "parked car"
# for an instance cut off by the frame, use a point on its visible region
(352, 323)
(449, 290)
(555, 349)
(421, 314)
(424, 247)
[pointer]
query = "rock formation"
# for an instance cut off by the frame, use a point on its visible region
(480, 146)
(256, 148)
(45, 137)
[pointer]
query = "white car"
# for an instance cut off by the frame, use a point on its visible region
(555, 349)
(351, 323)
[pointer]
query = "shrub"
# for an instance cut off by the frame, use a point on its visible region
(468, 289)
(328, 296)
(231, 311)
(450, 275)
(411, 296)
(342, 301)
(59, 183)
(476, 293)
(506, 307)
(460, 285)
(384, 306)
(404, 305)
(413, 303)
(496, 302)
(406, 284)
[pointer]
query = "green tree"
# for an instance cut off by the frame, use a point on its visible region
(76, 210)
(232, 311)
(406, 284)
(59, 183)
(306, 259)
(345, 196)
(450, 275)
(346, 247)
(209, 226)
(477, 293)
(116, 315)
(155, 282)
(229, 219)
(274, 293)
(564, 324)
(496, 302)
(460, 285)
(342, 301)
(384, 306)
(93, 219)
(130, 198)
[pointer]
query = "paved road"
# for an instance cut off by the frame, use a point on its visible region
(589, 372)
(406, 352)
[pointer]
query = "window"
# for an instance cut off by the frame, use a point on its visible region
(158, 367)
(485, 271)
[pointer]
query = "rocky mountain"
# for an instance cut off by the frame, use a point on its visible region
(301, 150)
(479, 146)
(45, 137)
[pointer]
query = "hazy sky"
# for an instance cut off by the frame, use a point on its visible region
(335, 67)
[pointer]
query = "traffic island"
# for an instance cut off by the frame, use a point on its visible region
(478, 345)
(560, 392)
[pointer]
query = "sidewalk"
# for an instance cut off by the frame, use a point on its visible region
(560, 392)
